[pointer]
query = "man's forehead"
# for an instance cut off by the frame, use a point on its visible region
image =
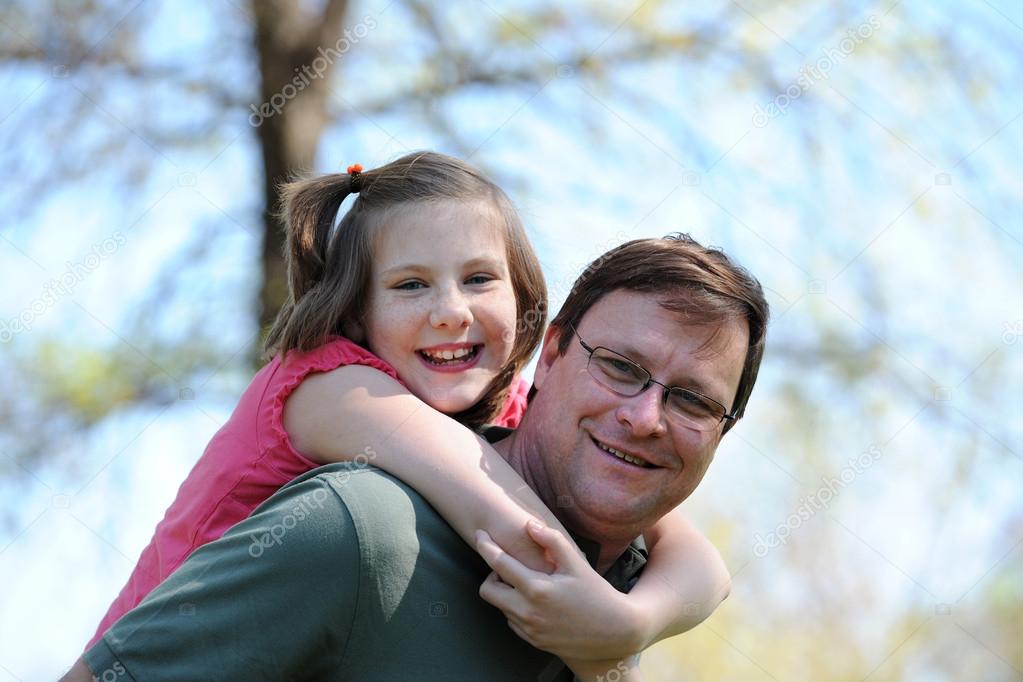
(634, 317)
(639, 327)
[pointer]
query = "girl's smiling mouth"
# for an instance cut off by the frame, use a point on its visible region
(451, 356)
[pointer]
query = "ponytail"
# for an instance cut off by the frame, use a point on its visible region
(309, 209)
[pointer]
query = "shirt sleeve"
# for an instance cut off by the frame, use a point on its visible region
(515, 404)
(274, 598)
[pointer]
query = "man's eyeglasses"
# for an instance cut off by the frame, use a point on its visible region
(623, 376)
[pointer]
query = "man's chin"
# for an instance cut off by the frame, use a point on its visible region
(605, 523)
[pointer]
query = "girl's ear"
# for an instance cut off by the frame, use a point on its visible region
(548, 355)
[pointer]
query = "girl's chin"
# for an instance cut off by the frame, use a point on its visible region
(453, 404)
(449, 393)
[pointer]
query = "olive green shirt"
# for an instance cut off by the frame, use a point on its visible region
(346, 573)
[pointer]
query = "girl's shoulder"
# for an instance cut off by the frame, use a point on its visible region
(283, 378)
(338, 351)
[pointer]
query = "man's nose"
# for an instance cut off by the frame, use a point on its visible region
(450, 309)
(644, 413)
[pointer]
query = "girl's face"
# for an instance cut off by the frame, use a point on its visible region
(441, 305)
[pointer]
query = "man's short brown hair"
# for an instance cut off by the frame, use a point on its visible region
(702, 285)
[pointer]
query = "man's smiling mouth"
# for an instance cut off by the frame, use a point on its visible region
(623, 456)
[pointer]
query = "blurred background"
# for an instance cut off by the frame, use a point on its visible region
(862, 159)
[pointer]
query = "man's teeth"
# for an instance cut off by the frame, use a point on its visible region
(441, 355)
(621, 455)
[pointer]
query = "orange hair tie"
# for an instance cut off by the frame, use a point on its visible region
(355, 171)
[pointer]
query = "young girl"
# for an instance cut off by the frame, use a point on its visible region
(425, 300)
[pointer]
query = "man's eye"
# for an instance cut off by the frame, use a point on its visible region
(411, 285)
(617, 367)
(688, 401)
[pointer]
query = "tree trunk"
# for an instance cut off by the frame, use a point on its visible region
(296, 58)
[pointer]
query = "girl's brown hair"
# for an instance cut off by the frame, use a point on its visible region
(329, 265)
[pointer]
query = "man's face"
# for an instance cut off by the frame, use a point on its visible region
(577, 419)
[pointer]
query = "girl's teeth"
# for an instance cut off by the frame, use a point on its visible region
(447, 354)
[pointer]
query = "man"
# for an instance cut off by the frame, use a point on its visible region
(346, 573)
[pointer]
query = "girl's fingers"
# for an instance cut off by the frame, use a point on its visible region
(521, 633)
(562, 550)
(510, 569)
(496, 593)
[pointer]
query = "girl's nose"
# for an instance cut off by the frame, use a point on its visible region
(451, 310)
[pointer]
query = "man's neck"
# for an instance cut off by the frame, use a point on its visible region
(528, 463)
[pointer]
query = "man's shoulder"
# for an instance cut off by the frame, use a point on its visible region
(407, 554)
(350, 482)
(350, 488)
(382, 509)
(339, 515)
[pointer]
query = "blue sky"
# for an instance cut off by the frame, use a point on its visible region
(840, 207)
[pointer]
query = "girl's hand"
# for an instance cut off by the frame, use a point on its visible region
(573, 612)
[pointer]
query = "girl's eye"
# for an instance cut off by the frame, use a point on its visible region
(479, 279)
(411, 285)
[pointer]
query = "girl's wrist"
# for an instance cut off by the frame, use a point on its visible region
(511, 536)
(638, 623)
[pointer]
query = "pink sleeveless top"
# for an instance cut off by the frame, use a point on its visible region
(245, 463)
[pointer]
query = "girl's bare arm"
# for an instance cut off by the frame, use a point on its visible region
(356, 413)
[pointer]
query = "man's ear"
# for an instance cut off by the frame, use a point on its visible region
(548, 355)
